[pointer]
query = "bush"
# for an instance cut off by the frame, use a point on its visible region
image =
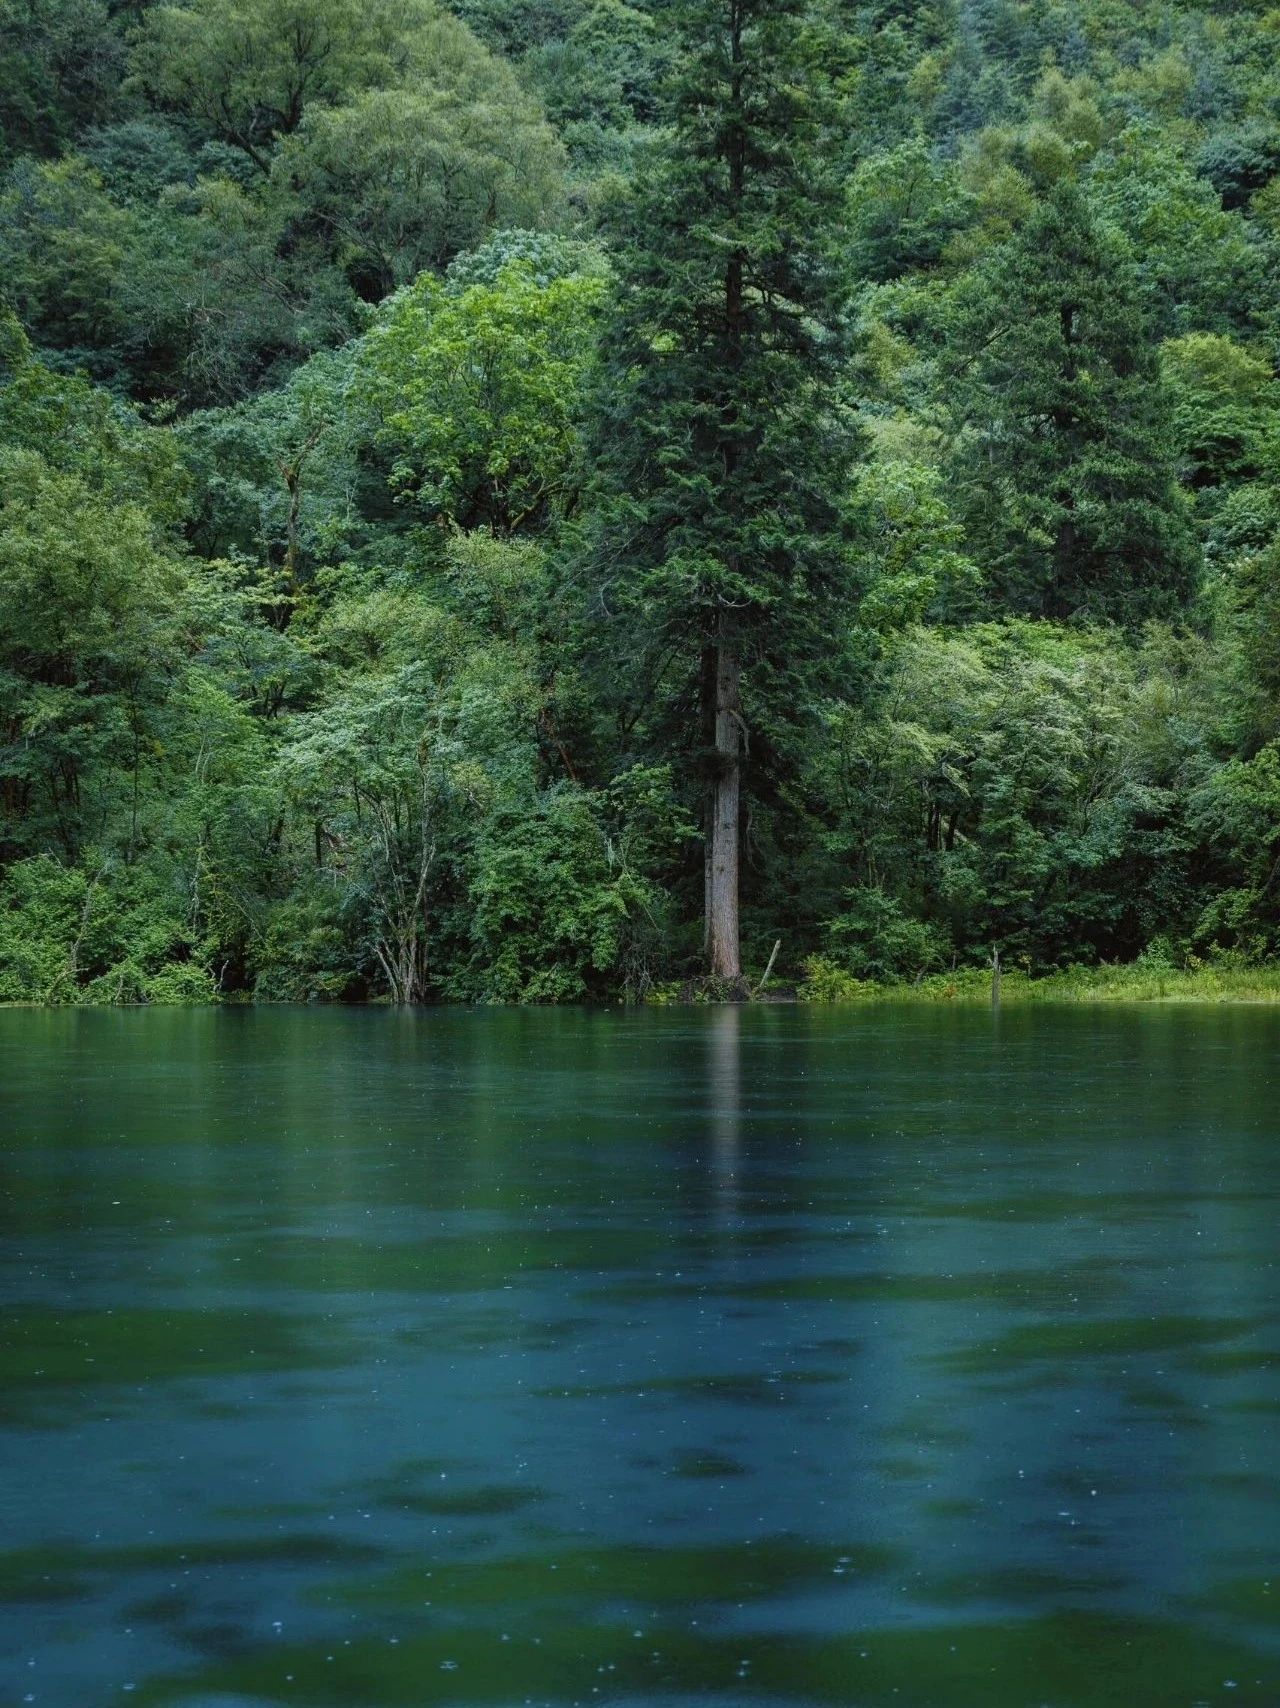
(305, 954)
(874, 939)
(556, 911)
(98, 934)
(824, 981)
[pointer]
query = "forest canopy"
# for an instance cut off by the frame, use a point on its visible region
(540, 500)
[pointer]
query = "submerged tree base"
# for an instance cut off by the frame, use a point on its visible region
(712, 989)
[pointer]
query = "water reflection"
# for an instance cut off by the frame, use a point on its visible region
(724, 1105)
(741, 1354)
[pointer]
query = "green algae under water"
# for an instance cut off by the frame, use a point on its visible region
(897, 1358)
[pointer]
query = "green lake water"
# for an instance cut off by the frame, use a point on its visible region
(898, 1358)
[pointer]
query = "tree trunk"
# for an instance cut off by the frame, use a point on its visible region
(724, 798)
(722, 661)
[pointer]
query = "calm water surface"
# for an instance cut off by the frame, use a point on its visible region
(898, 1359)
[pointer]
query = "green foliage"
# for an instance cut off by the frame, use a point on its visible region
(905, 207)
(138, 159)
(62, 250)
(61, 64)
(1200, 265)
(1226, 409)
(690, 382)
(604, 72)
(248, 71)
(722, 439)
(1063, 462)
(1143, 981)
(95, 934)
(399, 180)
(209, 310)
(824, 981)
(874, 939)
(278, 478)
(556, 912)
(478, 392)
(1236, 809)
(81, 430)
(264, 170)
(915, 547)
(89, 613)
(405, 413)
(1013, 787)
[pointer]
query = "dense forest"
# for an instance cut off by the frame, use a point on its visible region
(542, 499)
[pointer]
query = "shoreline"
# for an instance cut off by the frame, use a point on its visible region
(1107, 986)
(1074, 986)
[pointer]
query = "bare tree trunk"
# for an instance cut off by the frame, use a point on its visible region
(724, 960)
(723, 728)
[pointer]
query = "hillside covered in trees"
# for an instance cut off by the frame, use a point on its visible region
(487, 491)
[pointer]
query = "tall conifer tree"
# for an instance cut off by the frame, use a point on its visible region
(1064, 456)
(721, 433)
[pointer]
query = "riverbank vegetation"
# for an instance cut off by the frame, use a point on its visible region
(1145, 980)
(540, 502)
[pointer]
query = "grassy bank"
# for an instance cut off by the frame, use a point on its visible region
(1138, 982)
(826, 984)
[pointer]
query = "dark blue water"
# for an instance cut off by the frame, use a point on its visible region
(900, 1357)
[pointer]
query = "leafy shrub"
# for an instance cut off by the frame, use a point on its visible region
(874, 939)
(1158, 956)
(824, 981)
(97, 934)
(557, 911)
(305, 954)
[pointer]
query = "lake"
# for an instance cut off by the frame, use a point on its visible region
(892, 1357)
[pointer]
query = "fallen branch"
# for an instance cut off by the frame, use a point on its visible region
(768, 969)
